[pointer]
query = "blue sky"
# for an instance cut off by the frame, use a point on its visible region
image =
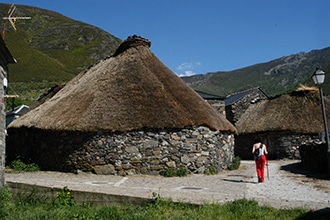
(201, 36)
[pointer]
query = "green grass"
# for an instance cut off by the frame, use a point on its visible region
(19, 165)
(28, 92)
(235, 163)
(49, 48)
(32, 206)
(172, 172)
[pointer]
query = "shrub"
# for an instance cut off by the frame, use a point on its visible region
(235, 163)
(172, 172)
(181, 172)
(19, 165)
(6, 201)
(6, 196)
(64, 198)
(211, 170)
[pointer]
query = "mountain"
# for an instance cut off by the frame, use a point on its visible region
(51, 49)
(275, 77)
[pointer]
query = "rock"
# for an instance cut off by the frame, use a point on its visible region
(149, 152)
(171, 164)
(104, 169)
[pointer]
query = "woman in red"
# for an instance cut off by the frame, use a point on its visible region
(261, 159)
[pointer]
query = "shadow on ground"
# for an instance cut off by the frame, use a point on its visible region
(238, 181)
(238, 178)
(322, 214)
(296, 168)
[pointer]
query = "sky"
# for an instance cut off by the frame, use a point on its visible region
(201, 36)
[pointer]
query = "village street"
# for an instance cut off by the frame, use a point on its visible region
(287, 187)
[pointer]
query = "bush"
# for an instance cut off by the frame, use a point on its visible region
(211, 170)
(64, 198)
(6, 202)
(235, 163)
(172, 172)
(19, 165)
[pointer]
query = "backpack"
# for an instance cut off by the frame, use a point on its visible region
(257, 152)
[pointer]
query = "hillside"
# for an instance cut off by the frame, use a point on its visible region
(274, 77)
(51, 49)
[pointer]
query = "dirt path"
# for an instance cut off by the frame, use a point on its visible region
(287, 187)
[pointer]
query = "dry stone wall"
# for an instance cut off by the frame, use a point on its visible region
(147, 152)
(289, 144)
(238, 108)
(135, 152)
(280, 145)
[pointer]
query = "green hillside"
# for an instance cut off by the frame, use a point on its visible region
(275, 77)
(51, 49)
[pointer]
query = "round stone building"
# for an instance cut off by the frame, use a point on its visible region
(127, 114)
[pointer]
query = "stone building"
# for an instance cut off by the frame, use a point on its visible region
(236, 104)
(126, 114)
(217, 102)
(285, 122)
(5, 59)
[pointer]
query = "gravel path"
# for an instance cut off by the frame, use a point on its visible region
(287, 186)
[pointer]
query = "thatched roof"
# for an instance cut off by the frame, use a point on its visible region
(129, 91)
(299, 111)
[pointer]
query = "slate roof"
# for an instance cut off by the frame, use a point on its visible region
(208, 96)
(233, 98)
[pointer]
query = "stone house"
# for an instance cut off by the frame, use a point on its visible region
(5, 59)
(237, 103)
(217, 102)
(126, 114)
(285, 122)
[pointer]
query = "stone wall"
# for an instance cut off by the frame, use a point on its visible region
(145, 152)
(280, 145)
(219, 106)
(289, 144)
(235, 110)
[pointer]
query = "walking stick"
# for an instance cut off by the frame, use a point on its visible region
(267, 167)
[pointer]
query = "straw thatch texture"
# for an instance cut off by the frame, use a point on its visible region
(298, 112)
(130, 91)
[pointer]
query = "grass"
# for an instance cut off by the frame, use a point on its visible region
(51, 48)
(235, 163)
(19, 165)
(29, 92)
(172, 172)
(32, 206)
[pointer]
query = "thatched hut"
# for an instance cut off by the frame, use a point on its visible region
(285, 122)
(126, 114)
(237, 103)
